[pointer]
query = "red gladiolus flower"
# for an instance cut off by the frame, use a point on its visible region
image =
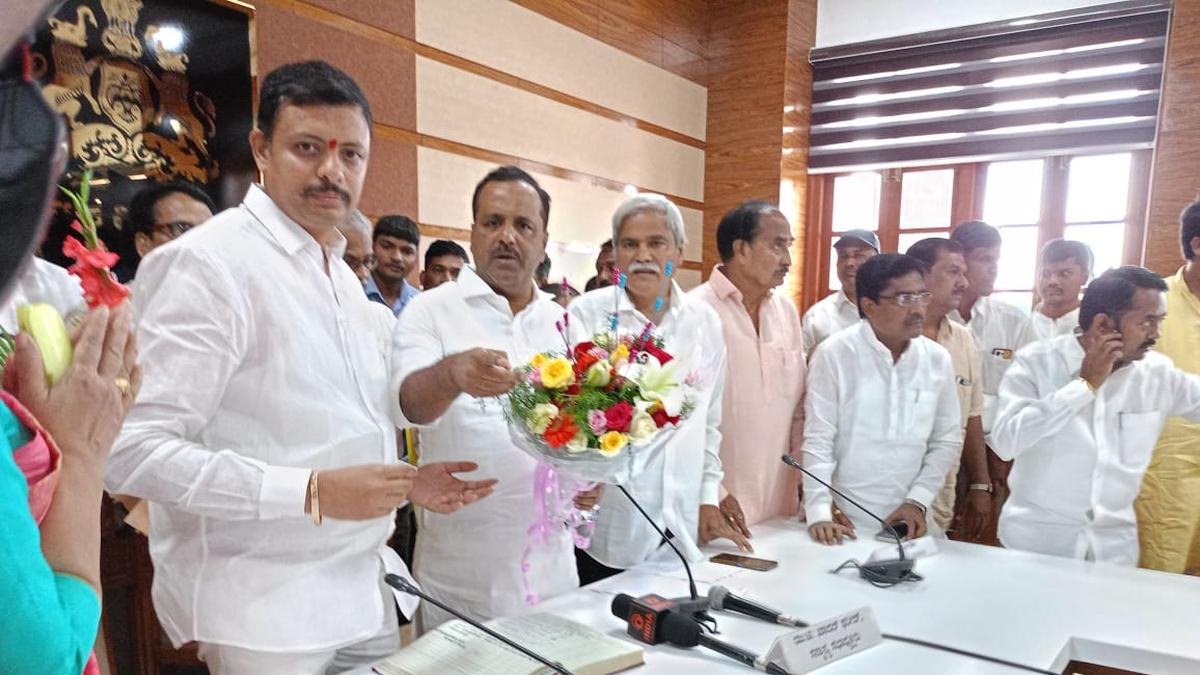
(561, 430)
(583, 348)
(92, 267)
(619, 416)
(583, 362)
(651, 349)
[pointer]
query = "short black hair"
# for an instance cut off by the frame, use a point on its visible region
(1112, 292)
(741, 224)
(927, 250)
(443, 247)
(398, 226)
(307, 83)
(141, 207)
(878, 271)
(975, 234)
(512, 174)
(1189, 228)
(543, 269)
(1058, 250)
(607, 243)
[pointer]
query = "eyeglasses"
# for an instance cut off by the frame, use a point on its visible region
(354, 263)
(909, 299)
(173, 229)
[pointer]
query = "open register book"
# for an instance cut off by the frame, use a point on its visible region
(456, 648)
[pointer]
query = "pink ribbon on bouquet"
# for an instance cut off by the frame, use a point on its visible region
(555, 507)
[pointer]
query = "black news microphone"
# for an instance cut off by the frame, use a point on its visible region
(881, 573)
(682, 631)
(405, 586)
(719, 597)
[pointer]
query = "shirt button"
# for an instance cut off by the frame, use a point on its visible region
(1090, 514)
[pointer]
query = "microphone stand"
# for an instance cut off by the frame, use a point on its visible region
(884, 573)
(403, 585)
(683, 559)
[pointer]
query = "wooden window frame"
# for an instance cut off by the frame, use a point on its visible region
(970, 181)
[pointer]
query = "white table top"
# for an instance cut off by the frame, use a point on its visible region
(1032, 609)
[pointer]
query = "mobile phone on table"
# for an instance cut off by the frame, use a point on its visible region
(745, 562)
(901, 529)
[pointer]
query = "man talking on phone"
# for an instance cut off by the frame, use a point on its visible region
(882, 421)
(1079, 416)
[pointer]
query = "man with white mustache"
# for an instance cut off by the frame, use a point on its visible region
(680, 487)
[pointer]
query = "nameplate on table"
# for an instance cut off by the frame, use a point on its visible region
(825, 642)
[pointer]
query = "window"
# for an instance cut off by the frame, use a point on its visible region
(1097, 199)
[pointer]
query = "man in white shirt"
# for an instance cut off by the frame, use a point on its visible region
(882, 420)
(1080, 415)
(454, 351)
(946, 279)
(840, 308)
(262, 433)
(358, 256)
(1000, 330)
(1065, 267)
(680, 486)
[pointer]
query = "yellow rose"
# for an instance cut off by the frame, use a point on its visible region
(621, 353)
(538, 360)
(611, 443)
(642, 426)
(541, 416)
(557, 373)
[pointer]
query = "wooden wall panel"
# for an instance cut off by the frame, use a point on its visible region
(386, 75)
(670, 34)
(394, 16)
(1175, 182)
(757, 64)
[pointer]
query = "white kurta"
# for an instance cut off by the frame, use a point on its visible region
(1044, 327)
(1000, 329)
(830, 315)
(41, 281)
(1079, 457)
(687, 472)
(881, 431)
(471, 560)
(258, 368)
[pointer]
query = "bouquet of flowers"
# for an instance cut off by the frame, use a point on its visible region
(589, 409)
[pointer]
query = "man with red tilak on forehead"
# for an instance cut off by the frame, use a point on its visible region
(263, 435)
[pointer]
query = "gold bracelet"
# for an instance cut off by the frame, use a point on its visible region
(314, 498)
(1087, 383)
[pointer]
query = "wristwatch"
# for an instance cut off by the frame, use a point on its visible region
(982, 487)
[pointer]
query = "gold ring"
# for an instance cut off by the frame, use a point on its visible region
(123, 386)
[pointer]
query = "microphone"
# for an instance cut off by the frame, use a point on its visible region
(882, 573)
(720, 597)
(405, 586)
(679, 630)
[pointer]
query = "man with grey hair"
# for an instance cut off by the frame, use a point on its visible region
(680, 486)
(357, 231)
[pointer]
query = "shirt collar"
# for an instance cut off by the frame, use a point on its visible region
(286, 232)
(674, 305)
(473, 286)
(843, 299)
(722, 286)
(868, 335)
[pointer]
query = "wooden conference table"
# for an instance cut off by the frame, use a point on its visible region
(1032, 609)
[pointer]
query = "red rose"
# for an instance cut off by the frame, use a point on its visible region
(561, 430)
(619, 416)
(653, 350)
(661, 419)
(573, 390)
(583, 348)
